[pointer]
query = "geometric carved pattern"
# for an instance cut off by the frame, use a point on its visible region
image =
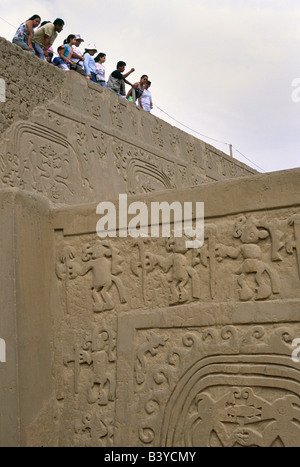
(199, 385)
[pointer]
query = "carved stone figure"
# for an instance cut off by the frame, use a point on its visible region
(241, 419)
(104, 261)
(182, 272)
(151, 347)
(267, 280)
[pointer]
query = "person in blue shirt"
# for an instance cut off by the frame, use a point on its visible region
(65, 53)
(89, 62)
(66, 50)
(59, 62)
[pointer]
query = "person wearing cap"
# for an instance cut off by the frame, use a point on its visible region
(77, 55)
(89, 62)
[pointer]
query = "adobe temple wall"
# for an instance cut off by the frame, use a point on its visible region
(74, 141)
(138, 341)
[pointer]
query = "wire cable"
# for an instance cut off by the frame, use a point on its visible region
(8, 23)
(212, 139)
(194, 131)
(249, 160)
(182, 124)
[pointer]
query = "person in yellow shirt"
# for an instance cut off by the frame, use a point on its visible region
(45, 36)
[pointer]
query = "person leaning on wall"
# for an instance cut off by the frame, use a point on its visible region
(77, 55)
(25, 32)
(45, 37)
(145, 100)
(139, 89)
(89, 62)
(116, 81)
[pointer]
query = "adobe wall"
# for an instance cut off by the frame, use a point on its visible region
(74, 141)
(139, 342)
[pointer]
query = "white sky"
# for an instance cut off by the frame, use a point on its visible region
(224, 68)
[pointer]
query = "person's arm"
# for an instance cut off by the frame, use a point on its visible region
(30, 34)
(86, 66)
(46, 45)
(127, 74)
(127, 82)
(62, 55)
(79, 57)
(133, 86)
(140, 102)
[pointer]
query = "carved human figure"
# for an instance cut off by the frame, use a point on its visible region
(102, 382)
(241, 419)
(95, 427)
(104, 262)
(182, 272)
(150, 346)
(266, 277)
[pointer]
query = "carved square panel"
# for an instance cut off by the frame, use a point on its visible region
(216, 375)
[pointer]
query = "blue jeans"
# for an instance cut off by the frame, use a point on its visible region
(38, 51)
(94, 79)
(22, 44)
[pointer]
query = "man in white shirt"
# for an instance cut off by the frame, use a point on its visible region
(77, 55)
(145, 101)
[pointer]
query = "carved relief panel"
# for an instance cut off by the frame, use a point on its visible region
(220, 386)
(246, 271)
(40, 160)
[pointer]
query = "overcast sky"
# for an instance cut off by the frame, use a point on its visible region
(224, 68)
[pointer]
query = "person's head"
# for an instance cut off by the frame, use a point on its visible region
(101, 57)
(59, 24)
(43, 23)
(144, 79)
(91, 49)
(121, 66)
(36, 19)
(71, 39)
(59, 48)
(148, 84)
(79, 40)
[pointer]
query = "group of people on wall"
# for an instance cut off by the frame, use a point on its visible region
(38, 38)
